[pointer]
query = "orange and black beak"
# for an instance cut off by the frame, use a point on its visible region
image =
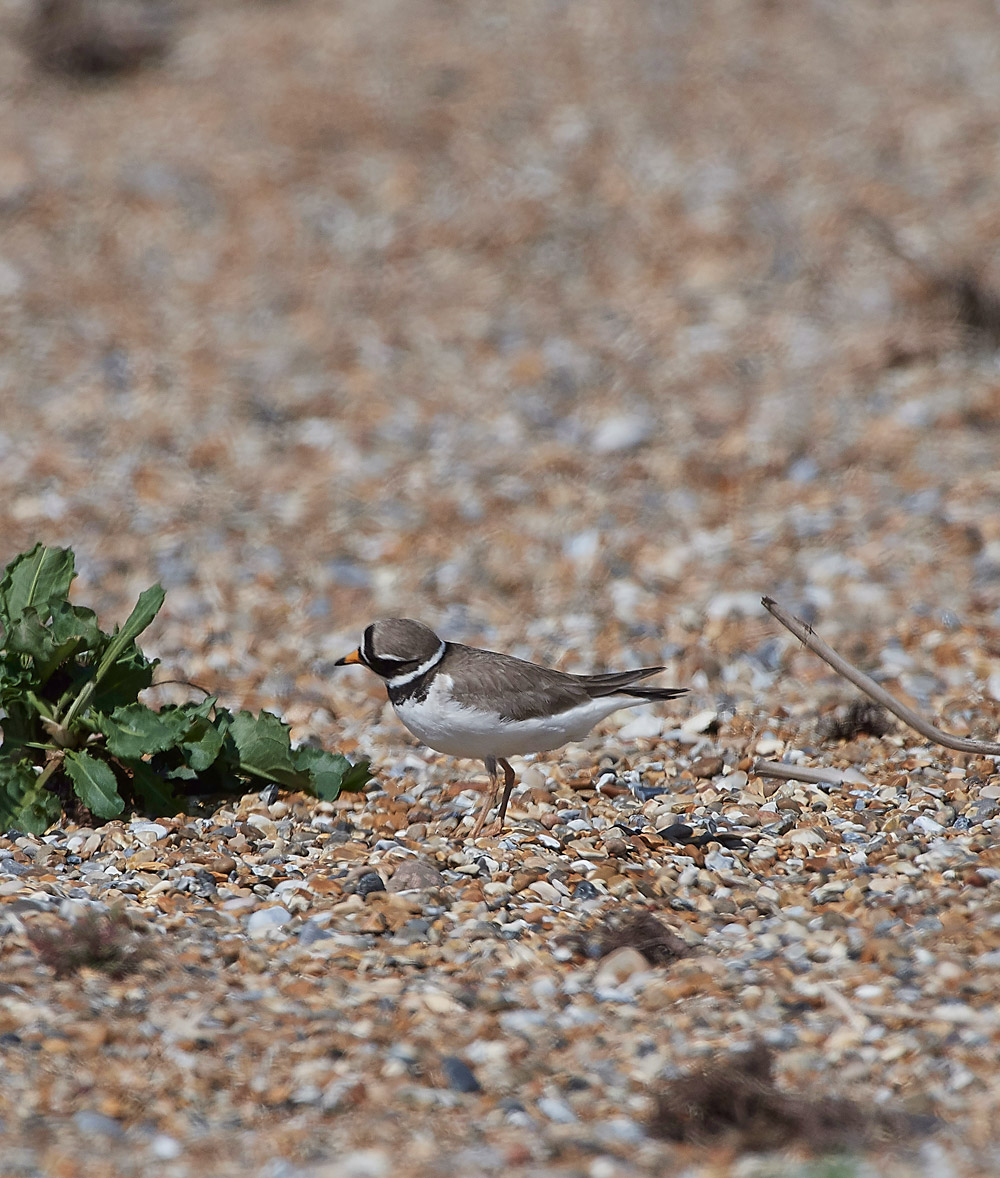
(350, 659)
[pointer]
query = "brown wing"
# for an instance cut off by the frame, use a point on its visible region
(526, 689)
(608, 684)
(529, 690)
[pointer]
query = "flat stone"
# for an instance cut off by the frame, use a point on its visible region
(415, 875)
(266, 920)
(459, 1075)
(619, 966)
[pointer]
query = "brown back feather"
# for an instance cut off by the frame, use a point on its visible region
(530, 690)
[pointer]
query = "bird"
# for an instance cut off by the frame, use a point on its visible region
(467, 702)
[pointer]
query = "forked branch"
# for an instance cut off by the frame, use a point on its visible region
(809, 638)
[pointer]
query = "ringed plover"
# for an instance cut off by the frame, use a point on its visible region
(468, 702)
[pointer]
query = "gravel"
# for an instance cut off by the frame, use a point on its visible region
(569, 331)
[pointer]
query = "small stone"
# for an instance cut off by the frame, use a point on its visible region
(11, 279)
(677, 832)
(459, 1075)
(585, 890)
(362, 1163)
(625, 431)
(413, 875)
(700, 721)
(645, 727)
(148, 832)
(265, 920)
(89, 1121)
(311, 932)
(545, 891)
(370, 882)
(165, 1148)
(706, 767)
(807, 836)
(618, 967)
(556, 1110)
(533, 777)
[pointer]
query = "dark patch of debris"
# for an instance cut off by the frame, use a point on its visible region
(735, 1098)
(862, 717)
(107, 941)
(99, 38)
(641, 930)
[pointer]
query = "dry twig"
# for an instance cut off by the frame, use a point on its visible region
(804, 773)
(807, 636)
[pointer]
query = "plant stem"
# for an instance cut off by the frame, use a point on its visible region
(47, 772)
(81, 701)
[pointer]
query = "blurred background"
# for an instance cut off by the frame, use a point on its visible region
(569, 328)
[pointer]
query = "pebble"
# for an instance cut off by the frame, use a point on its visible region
(265, 920)
(165, 1148)
(369, 882)
(618, 967)
(555, 1109)
(459, 1076)
(361, 1163)
(700, 721)
(414, 874)
(88, 1121)
(620, 433)
(642, 727)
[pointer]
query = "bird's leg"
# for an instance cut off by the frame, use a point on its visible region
(496, 827)
(491, 769)
(508, 785)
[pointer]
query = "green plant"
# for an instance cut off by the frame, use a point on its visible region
(74, 728)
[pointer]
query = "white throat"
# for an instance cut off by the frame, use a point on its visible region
(402, 680)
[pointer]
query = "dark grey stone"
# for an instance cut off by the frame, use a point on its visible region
(459, 1075)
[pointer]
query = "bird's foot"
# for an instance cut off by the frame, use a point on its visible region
(484, 830)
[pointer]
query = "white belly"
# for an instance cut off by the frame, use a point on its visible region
(442, 724)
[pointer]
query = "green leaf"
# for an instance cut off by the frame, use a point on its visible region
(23, 806)
(357, 777)
(76, 621)
(34, 579)
(146, 608)
(132, 673)
(95, 784)
(181, 772)
(203, 740)
(28, 635)
(135, 731)
(265, 749)
(20, 724)
(330, 773)
(150, 788)
(118, 652)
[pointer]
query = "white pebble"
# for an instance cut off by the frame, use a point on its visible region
(623, 432)
(700, 721)
(266, 920)
(646, 727)
(165, 1148)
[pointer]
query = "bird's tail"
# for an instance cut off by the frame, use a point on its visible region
(621, 683)
(655, 693)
